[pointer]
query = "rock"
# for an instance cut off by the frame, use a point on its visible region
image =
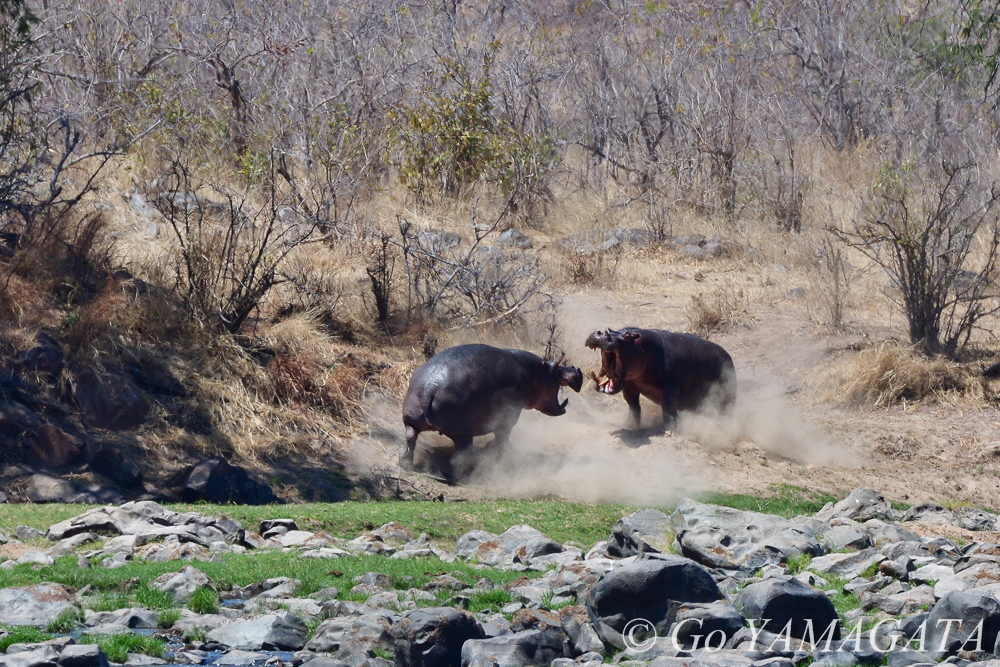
(46, 358)
(650, 589)
(37, 605)
(971, 518)
(779, 601)
(981, 574)
(516, 544)
(904, 602)
(238, 657)
(929, 513)
(323, 661)
(530, 647)
(82, 655)
(512, 237)
(944, 638)
(727, 538)
(143, 660)
(847, 537)
(181, 585)
(645, 531)
(282, 631)
(846, 565)
(51, 447)
(43, 656)
(216, 481)
(27, 533)
(16, 418)
(35, 557)
(109, 401)
(931, 573)
(575, 622)
(434, 637)
(796, 293)
(110, 463)
(705, 620)
(468, 543)
(695, 252)
(369, 631)
(436, 241)
(48, 489)
(271, 527)
(860, 505)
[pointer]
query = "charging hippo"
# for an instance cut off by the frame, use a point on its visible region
(675, 370)
(473, 390)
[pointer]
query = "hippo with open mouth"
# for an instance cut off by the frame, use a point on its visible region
(674, 370)
(473, 390)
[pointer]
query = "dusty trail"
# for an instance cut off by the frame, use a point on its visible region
(785, 430)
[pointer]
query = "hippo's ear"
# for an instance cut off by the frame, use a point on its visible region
(572, 377)
(631, 337)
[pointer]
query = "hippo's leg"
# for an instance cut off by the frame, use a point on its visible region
(631, 395)
(669, 407)
(406, 456)
(462, 443)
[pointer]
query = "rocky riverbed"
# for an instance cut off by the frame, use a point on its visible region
(857, 583)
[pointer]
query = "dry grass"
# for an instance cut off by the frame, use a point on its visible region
(889, 373)
(724, 308)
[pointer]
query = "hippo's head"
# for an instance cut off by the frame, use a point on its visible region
(546, 398)
(615, 347)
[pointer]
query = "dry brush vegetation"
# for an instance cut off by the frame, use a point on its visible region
(270, 208)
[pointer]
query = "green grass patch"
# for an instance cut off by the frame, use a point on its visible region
(870, 571)
(65, 622)
(117, 647)
(245, 569)
(785, 500)
(204, 601)
(166, 618)
(492, 599)
(19, 634)
(798, 563)
(843, 601)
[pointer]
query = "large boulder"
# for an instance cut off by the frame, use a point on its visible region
(859, 505)
(778, 601)
(530, 647)
(182, 585)
(215, 480)
(37, 605)
(575, 622)
(51, 447)
(723, 537)
(111, 463)
(109, 400)
(645, 531)
(652, 588)
(433, 637)
(282, 631)
(705, 619)
(46, 358)
(947, 638)
(367, 631)
(516, 544)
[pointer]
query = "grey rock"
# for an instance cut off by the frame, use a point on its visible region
(368, 630)
(581, 632)
(723, 537)
(37, 605)
(181, 585)
(847, 565)
(645, 531)
(780, 601)
(716, 619)
(28, 533)
(650, 589)
(531, 647)
(945, 639)
(929, 513)
(239, 657)
(436, 241)
(516, 544)
(44, 656)
(975, 576)
(931, 573)
(847, 537)
(860, 505)
(434, 637)
(82, 655)
(109, 400)
(971, 518)
(280, 631)
(143, 660)
(512, 237)
(215, 480)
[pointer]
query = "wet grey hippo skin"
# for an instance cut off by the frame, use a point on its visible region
(473, 390)
(674, 370)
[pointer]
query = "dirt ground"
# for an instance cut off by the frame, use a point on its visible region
(789, 427)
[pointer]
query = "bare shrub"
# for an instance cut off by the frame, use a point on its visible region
(724, 308)
(381, 265)
(834, 277)
(231, 254)
(889, 373)
(591, 267)
(934, 227)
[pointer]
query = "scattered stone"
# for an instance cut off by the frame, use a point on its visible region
(216, 481)
(282, 631)
(947, 638)
(530, 647)
(51, 447)
(727, 538)
(181, 585)
(648, 589)
(36, 605)
(779, 601)
(434, 637)
(860, 505)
